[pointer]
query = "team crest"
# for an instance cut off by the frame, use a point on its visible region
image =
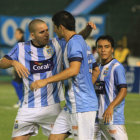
(48, 51)
(16, 124)
(105, 72)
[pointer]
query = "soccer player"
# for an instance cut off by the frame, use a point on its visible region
(111, 89)
(19, 35)
(37, 59)
(81, 102)
(17, 81)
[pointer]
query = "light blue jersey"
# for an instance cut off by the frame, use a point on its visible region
(112, 75)
(79, 90)
(41, 63)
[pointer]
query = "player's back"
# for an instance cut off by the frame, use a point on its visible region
(80, 93)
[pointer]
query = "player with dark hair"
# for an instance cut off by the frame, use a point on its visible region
(111, 89)
(37, 59)
(19, 35)
(80, 69)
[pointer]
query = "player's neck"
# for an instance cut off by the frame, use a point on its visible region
(69, 35)
(106, 61)
(35, 44)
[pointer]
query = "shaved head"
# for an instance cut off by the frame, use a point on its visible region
(33, 24)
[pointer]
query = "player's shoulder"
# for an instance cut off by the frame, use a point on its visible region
(57, 39)
(76, 38)
(117, 65)
(58, 42)
(22, 44)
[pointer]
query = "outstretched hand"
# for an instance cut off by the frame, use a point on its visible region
(38, 84)
(20, 69)
(87, 30)
(92, 25)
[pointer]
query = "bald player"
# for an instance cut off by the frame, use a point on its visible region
(33, 60)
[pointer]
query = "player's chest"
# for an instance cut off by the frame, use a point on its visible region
(38, 60)
(33, 53)
(105, 73)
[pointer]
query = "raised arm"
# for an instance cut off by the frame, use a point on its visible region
(86, 32)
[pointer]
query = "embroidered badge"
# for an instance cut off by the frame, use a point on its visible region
(16, 124)
(105, 72)
(49, 51)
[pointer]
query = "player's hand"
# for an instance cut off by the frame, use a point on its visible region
(20, 69)
(38, 84)
(92, 25)
(107, 116)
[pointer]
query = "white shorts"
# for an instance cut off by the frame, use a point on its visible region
(109, 132)
(81, 125)
(28, 120)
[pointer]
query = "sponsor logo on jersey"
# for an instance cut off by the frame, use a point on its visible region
(41, 66)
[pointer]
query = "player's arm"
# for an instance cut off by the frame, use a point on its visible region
(20, 69)
(107, 116)
(86, 32)
(95, 73)
(5, 63)
(120, 81)
(73, 70)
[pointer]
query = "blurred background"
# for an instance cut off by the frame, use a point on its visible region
(118, 18)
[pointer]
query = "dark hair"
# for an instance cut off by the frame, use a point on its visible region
(22, 32)
(64, 18)
(106, 37)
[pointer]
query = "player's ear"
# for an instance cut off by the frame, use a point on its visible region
(112, 50)
(32, 35)
(62, 27)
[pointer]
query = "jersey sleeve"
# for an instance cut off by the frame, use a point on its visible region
(13, 54)
(91, 58)
(120, 79)
(74, 51)
(94, 63)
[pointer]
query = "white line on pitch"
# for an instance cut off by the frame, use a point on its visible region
(7, 107)
(132, 122)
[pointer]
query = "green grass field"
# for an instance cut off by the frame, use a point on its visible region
(7, 114)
